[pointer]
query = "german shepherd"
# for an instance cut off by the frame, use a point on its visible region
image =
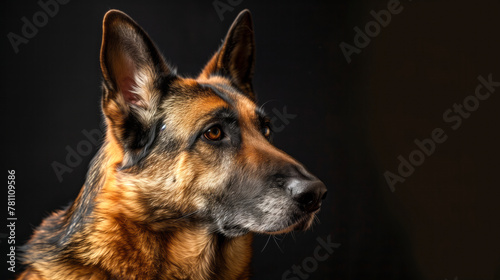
(185, 176)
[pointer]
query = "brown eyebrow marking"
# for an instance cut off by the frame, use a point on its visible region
(219, 93)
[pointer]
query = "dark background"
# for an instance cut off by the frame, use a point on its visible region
(352, 122)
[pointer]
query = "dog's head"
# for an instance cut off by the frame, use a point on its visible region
(199, 149)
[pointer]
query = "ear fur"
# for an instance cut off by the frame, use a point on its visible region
(235, 58)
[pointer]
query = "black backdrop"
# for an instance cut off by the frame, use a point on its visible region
(348, 122)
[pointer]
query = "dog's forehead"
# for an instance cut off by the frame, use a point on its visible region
(236, 100)
(193, 101)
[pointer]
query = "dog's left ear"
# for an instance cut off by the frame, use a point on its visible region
(236, 57)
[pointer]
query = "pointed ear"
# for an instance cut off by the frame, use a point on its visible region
(236, 57)
(129, 59)
(133, 72)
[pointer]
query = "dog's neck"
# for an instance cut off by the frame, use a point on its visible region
(128, 249)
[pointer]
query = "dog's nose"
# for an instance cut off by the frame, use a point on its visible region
(308, 193)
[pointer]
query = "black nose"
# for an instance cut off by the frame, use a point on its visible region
(308, 193)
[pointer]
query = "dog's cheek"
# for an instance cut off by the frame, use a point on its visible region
(191, 179)
(210, 169)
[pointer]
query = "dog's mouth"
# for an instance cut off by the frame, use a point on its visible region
(300, 224)
(305, 223)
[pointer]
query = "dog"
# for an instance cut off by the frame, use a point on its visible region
(186, 174)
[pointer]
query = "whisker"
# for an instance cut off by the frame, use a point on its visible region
(265, 245)
(187, 215)
(159, 220)
(261, 107)
(274, 238)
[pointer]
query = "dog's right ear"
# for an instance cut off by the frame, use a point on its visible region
(133, 69)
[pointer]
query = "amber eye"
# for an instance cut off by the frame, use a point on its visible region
(214, 133)
(266, 131)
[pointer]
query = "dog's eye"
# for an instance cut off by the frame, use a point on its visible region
(214, 133)
(266, 131)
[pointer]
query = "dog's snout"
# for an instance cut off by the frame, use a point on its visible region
(308, 193)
